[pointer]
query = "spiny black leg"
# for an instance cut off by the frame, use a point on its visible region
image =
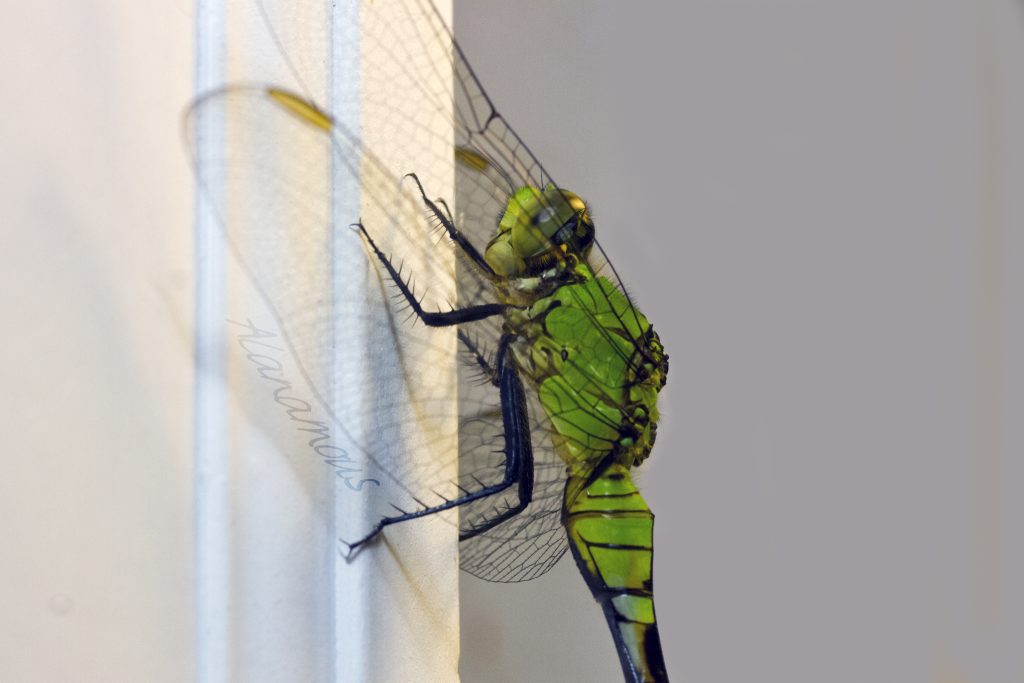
(431, 318)
(518, 458)
(518, 449)
(479, 358)
(445, 219)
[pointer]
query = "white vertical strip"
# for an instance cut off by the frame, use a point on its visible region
(281, 543)
(212, 504)
(264, 546)
(268, 562)
(397, 600)
(352, 608)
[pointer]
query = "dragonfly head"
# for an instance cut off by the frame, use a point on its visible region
(539, 228)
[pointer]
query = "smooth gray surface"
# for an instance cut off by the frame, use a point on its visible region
(816, 204)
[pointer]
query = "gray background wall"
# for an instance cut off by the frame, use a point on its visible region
(817, 204)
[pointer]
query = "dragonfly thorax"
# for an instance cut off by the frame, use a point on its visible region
(597, 366)
(537, 230)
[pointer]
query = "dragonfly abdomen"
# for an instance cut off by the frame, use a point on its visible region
(611, 532)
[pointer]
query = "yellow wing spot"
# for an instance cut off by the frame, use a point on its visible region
(304, 109)
(471, 158)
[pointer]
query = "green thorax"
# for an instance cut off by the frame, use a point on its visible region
(598, 366)
(595, 361)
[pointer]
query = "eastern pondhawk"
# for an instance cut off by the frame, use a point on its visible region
(557, 395)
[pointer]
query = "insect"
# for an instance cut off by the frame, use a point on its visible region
(556, 393)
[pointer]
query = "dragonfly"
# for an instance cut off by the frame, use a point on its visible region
(555, 395)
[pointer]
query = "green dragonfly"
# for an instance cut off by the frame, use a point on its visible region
(556, 394)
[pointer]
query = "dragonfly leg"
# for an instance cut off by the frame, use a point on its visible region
(479, 358)
(518, 448)
(430, 318)
(445, 219)
(518, 458)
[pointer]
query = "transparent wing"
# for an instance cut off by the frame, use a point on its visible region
(492, 160)
(286, 180)
(362, 373)
(269, 177)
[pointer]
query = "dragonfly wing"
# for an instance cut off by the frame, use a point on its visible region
(268, 164)
(272, 183)
(274, 204)
(529, 544)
